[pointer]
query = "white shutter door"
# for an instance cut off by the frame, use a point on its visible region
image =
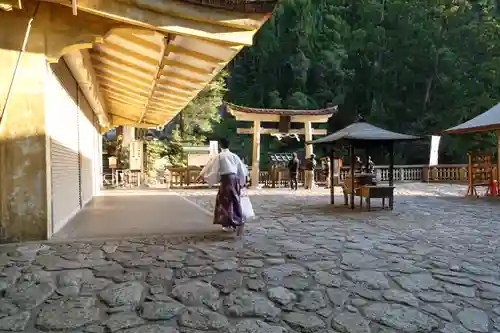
(86, 139)
(97, 156)
(64, 155)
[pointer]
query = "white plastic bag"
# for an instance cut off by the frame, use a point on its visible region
(246, 207)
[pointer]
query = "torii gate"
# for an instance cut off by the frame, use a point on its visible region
(284, 117)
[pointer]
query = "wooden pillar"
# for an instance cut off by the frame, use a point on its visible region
(391, 164)
(498, 158)
(351, 156)
(332, 173)
(255, 153)
(308, 135)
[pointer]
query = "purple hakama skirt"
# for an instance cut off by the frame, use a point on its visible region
(227, 203)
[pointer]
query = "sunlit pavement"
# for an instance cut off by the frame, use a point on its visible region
(431, 265)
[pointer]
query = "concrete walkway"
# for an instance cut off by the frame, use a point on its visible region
(431, 265)
(132, 213)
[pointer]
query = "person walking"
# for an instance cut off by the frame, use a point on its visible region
(309, 172)
(326, 171)
(293, 168)
(228, 170)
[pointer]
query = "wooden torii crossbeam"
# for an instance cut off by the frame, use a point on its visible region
(284, 117)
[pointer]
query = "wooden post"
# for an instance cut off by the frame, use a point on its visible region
(498, 158)
(255, 153)
(391, 164)
(351, 155)
(332, 173)
(308, 138)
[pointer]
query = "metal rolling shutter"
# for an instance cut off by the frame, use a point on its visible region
(62, 102)
(87, 155)
(97, 156)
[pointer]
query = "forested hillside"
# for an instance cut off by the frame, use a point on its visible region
(415, 66)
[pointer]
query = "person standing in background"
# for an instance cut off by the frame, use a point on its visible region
(326, 171)
(309, 172)
(293, 168)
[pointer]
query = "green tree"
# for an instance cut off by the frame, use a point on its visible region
(411, 66)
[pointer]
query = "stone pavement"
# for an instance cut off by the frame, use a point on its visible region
(431, 265)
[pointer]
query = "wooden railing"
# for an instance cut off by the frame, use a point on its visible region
(446, 173)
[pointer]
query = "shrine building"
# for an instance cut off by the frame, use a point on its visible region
(72, 69)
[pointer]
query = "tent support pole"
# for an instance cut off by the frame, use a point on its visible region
(391, 164)
(498, 158)
(332, 172)
(351, 153)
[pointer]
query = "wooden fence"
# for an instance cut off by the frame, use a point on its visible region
(445, 173)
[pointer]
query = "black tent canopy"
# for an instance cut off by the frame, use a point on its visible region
(362, 135)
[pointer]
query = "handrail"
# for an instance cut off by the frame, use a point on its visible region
(446, 173)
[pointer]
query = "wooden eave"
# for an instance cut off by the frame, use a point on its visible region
(160, 54)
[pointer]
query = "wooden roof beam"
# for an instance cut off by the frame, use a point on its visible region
(157, 76)
(106, 87)
(168, 91)
(166, 22)
(127, 97)
(116, 71)
(171, 48)
(80, 65)
(172, 75)
(164, 99)
(108, 46)
(247, 21)
(107, 82)
(187, 67)
(127, 121)
(169, 94)
(122, 80)
(136, 104)
(131, 36)
(168, 84)
(106, 59)
(8, 5)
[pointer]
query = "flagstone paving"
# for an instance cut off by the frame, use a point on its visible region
(431, 265)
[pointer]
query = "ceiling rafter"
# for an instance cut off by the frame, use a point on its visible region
(110, 83)
(134, 39)
(178, 76)
(110, 47)
(118, 90)
(126, 97)
(169, 97)
(177, 64)
(163, 85)
(125, 100)
(169, 91)
(114, 70)
(157, 76)
(171, 48)
(163, 107)
(106, 59)
(122, 80)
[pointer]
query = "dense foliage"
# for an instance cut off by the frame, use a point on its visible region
(416, 66)
(190, 128)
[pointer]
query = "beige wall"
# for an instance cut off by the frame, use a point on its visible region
(25, 206)
(23, 201)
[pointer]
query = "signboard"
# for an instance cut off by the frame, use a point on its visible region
(214, 148)
(136, 155)
(434, 154)
(198, 159)
(112, 162)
